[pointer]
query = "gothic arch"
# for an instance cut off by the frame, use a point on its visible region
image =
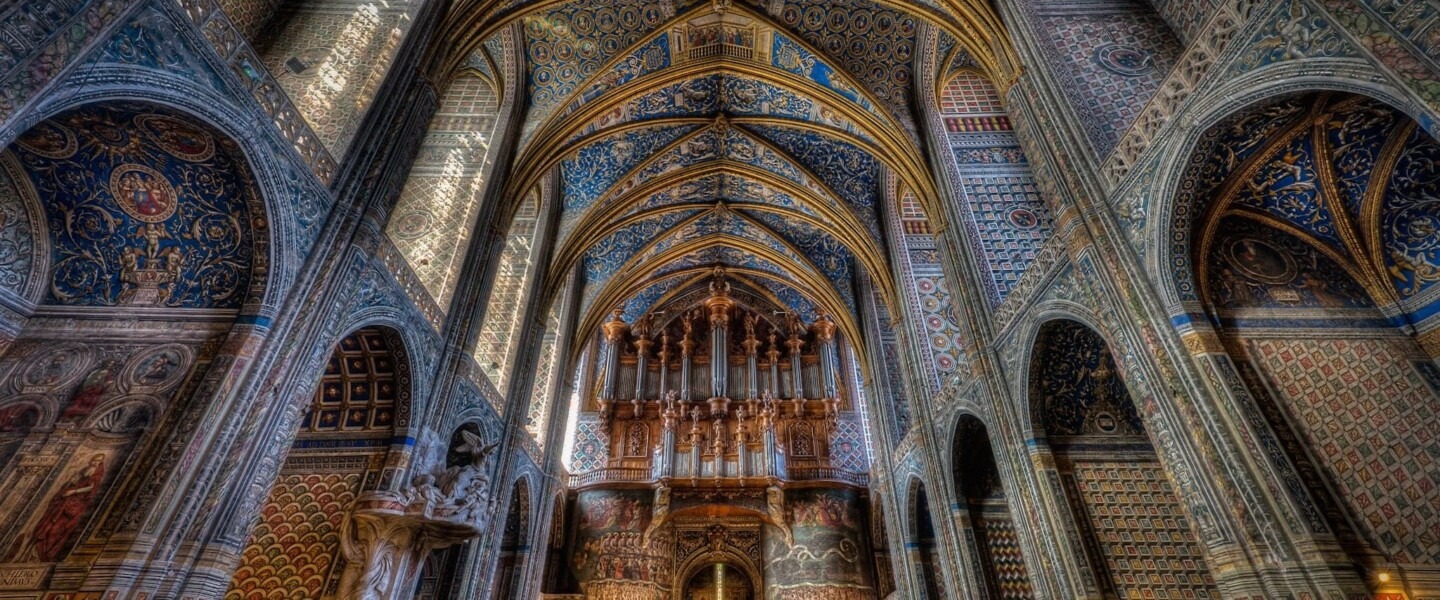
(290, 201)
(346, 446)
(1294, 315)
(985, 511)
(923, 542)
(514, 549)
(1167, 185)
(974, 23)
(1086, 419)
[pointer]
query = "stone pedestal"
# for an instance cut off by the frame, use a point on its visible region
(385, 546)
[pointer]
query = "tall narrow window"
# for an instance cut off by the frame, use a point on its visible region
(435, 216)
(495, 350)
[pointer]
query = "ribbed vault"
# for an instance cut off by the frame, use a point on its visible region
(685, 136)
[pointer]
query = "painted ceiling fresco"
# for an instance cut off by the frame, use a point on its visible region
(145, 207)
(693, 135)
(1348, 176)
(1076, 376)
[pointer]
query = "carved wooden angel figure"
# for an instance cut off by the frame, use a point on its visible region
(750, 326)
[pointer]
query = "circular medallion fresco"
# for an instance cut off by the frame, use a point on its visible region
(157, 367)
(1124, 60)
(143, 193)
(1257, 260)
(178, 137)
(50, 140)
(412, 225)
(56, 368)
(1023, 218)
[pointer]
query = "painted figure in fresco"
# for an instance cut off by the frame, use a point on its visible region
(158, 368)
(97, 387)
(152, 234)
(55, 369)
(63, 514)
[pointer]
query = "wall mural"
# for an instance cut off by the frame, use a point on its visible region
(338, 453)
(82, 409)
(612, 557)
(1319, 173)
(1068, 395)
(145, 207)
(828, 557)
(76, 492)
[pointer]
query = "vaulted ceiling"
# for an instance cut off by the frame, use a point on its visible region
(1349, 179)
(687, 135)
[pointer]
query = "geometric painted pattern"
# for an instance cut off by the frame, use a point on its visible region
(569, 44)
(1370, 418)
(1148, 548)
(331, 57)
(1115, 54)
(359, 390)
(508, 294)
(1004, 558)
(435, 214)
(295, 546)
(970, 93)
(592, 447)
(875, 44)
(537, 417)
(848, 444)
(1008, 222)
(929, 293)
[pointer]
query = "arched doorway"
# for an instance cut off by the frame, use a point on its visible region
(1312, 262)
(987, 512)
(338, 453)
(719, 581)
(1133, 527)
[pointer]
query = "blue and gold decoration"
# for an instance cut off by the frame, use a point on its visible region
(145, 207)
(1348, 179)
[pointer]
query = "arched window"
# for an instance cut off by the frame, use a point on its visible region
(495, 350)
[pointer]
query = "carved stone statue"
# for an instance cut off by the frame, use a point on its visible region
(458, 493)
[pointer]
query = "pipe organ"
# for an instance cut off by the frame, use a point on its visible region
(753, 396)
